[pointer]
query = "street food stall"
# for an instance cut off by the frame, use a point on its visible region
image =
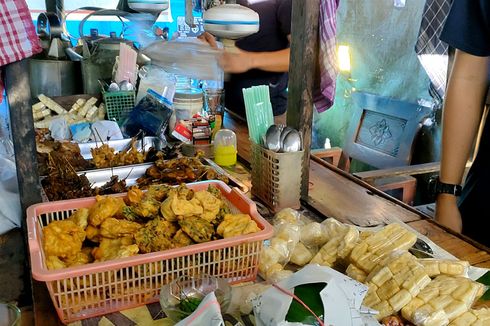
(146, 215)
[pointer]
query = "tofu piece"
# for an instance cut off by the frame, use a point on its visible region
(52, 105)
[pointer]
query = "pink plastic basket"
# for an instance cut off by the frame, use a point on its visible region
(100, 288)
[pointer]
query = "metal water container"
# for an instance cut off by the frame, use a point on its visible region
(54, 77)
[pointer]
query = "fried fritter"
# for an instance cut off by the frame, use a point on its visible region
(210, 204)
(148, 208)
(115, 248)
(113, 228)
(156, 235)
(237, 224)
(181, 239)
(134, 195)
(184, 207)
(197, 229)
(104, 208)
(158, 192)
(53, 262)
(166, 209)
(81, 258)
(80, 217)
(93, 233)
(62, 239)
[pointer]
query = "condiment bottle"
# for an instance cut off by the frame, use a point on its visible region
(225, 148)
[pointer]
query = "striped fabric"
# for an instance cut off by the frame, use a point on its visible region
(18, 38)
(324, 96)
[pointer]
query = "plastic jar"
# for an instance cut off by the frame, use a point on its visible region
(225, 148)
(187, 102)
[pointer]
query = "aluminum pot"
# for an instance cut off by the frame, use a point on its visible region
(54, 77)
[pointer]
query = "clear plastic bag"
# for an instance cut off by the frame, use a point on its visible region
(189, 57)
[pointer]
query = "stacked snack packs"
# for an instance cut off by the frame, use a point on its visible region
(426, 291)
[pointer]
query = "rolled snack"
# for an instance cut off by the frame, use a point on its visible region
(39, 115)
(435, 267)
(39, 106)
(52, 105)
(91, 113)
(77, 106)
(88, 104)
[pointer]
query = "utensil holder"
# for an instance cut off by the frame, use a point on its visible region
(276, 177)
(118, 104)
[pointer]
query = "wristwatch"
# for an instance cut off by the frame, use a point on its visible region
(437, 187)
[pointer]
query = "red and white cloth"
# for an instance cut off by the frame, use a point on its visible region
(18, 38)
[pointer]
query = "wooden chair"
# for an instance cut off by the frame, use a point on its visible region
(382, 134)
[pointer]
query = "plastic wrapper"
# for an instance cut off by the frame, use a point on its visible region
(435, 267)
(394, 282)
(301, 255)
(242, 297)
(313, 235)
(368, 252)
(151, 115)
(473, 317)
(341, 240)
(443, 300)
(288, 216)
(189, 57)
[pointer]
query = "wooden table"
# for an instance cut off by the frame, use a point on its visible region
(334, 193)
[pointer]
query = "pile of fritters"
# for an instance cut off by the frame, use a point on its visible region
(161, 218)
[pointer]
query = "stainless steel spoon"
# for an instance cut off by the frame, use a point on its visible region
(292, 142)
(273, 138)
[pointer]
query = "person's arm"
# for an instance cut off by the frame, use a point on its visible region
(241, 61)
(461, 118)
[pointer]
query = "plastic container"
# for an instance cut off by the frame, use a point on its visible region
(157, 79)
(225, 148)
(187, 102)
(276, 177)
(118, 104)
(101, 288)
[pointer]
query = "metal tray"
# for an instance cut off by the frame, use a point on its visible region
(118, 145)
(132, 172)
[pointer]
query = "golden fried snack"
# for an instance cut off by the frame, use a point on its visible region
(166, 209)
(181, 239)
(80, 217)
(185, 208)
(237, 224)
(156, 235)
(113, 228)
(53, 262)
(62, 239)
(148, 208)
(93, 233)
(134, 195)
(115, 248)
(197, 229)
(104, 208)
(81, 258)
(209, 203)
(158, 192)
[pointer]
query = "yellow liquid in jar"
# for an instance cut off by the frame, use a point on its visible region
(225, 155)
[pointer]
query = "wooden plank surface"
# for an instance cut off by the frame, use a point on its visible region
(302, 68)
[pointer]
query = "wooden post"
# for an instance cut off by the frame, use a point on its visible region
(302, 71)
(23, 137)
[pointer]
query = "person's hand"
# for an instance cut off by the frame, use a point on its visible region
(236, 62)
(447, 212)
(208, 38)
